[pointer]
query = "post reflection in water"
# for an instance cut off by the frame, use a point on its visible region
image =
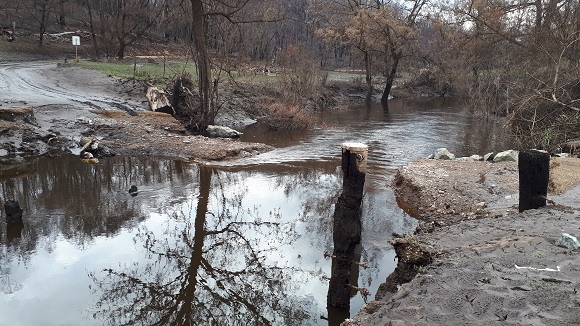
(206, 269)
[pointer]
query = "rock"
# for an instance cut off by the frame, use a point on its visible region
(92, 145)
(13, 212)
(480, 205)
(506, 156)
(443, 154)
(221, 132)
(562, 155)
(476, 157)
(568, 241)
(133, 191)
(488, 156)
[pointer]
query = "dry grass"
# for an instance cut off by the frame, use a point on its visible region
(564, 174)
(287, 117)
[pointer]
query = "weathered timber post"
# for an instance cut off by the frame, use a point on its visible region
(534, 174)
(347, 223)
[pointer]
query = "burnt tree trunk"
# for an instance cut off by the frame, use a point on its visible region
(534, 174)
(347, 223)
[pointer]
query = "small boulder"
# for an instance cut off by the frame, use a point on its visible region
(480, 205)
(443, 154)
(221, 132)
(476, 157)
(568, 241)
(506, 156)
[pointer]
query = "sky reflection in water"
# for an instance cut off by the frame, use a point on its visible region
(88, 249)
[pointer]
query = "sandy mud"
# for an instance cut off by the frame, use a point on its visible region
(475, 260)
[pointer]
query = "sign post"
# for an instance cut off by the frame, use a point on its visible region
(76, 41)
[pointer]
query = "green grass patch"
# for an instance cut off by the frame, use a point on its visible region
(153, 71)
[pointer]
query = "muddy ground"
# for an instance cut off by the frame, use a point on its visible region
(48, 107)
(475, 260)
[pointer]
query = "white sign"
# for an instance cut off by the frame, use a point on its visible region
(76, 40)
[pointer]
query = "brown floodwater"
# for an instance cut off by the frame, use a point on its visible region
(234, 243)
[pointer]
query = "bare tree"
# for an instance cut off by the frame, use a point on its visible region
(39, 11)
(383, 31)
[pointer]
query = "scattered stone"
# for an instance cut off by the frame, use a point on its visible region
(506, 156)
(92, 145)
(443, 154)
(562, 155)
(480, 205)
(221, 132)
(568, 241)
(476, 157)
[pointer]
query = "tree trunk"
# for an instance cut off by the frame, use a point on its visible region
(42, 27)
(391, 77)
(62, 16)
(121, 52)
(534, 174)
(368, 77)
(92, 28)
(203, 65)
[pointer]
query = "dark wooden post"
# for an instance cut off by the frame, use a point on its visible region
(534, 174)
(347, 223)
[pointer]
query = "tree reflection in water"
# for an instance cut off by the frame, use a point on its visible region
(212, 270)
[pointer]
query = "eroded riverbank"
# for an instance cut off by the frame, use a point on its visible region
(481, 263)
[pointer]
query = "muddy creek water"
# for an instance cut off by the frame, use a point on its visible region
(232, 243)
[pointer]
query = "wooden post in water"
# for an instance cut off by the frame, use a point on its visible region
(347, 223)
(534, 174)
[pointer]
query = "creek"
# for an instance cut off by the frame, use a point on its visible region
(231, 243)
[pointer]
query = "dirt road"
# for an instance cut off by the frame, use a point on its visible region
(40, 83)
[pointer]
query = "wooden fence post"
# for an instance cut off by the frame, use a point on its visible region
(534, 175)
(347, 223)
